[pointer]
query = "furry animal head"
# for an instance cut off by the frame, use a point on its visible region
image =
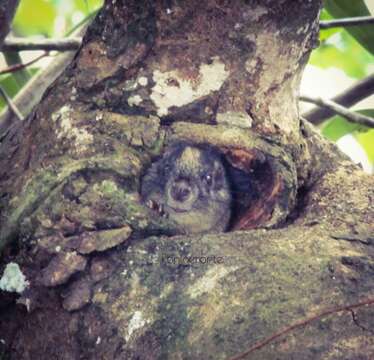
(189, 185)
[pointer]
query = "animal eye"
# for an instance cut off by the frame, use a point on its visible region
(208, 178)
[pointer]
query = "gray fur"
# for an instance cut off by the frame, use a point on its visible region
(189, 185)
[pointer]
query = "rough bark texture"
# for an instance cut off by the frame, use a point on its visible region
(108, 278)
(7, 10)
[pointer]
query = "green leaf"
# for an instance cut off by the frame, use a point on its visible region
(337, 127)
(22, 76)
(87, 6)
(344, 52)
(351, 8)
(10, 85)
(366, 137)
(34, 17)
(328, 55)
(83, 21)
(366, 140)
(324, 34)
(82, 5)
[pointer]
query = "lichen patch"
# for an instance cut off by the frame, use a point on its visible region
(171, 89)
(136, 322)
(143, 81)
(13, 280)
(232, 118)
(209, 281)
(134, 100)
(66, 130)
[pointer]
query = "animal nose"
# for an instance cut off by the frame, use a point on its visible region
(180, 191)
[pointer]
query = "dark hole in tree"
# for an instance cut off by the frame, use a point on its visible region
(254, 187)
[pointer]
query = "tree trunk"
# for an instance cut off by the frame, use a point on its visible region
(108, 280)
(7, 10)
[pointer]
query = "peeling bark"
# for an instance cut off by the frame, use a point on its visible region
(109, 279)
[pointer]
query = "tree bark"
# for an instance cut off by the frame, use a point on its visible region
(7, 10)
(108, 279)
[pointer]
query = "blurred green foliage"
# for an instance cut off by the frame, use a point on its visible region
(29, 15)
(351, 50)
(366, 139)
(337, 126)
(45, 18)
(339, 49)
(351, 8)
(11, 86)
(51, 18)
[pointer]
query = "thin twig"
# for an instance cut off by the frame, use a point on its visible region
(18, 67)
(30, 95)
(354, 21)
(349, 97)
(300, 323)
(340, 110)
(22, 76)
(11, 105)
(82, 22)
(20, 44)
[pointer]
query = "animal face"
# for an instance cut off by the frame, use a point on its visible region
(192, 188)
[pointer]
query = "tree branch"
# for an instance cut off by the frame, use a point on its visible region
(20, 66)
(31, 93)
(301, 323)
(21, 44)
(354, 21)
(11, 105)
(359, 91)
(340, 110)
